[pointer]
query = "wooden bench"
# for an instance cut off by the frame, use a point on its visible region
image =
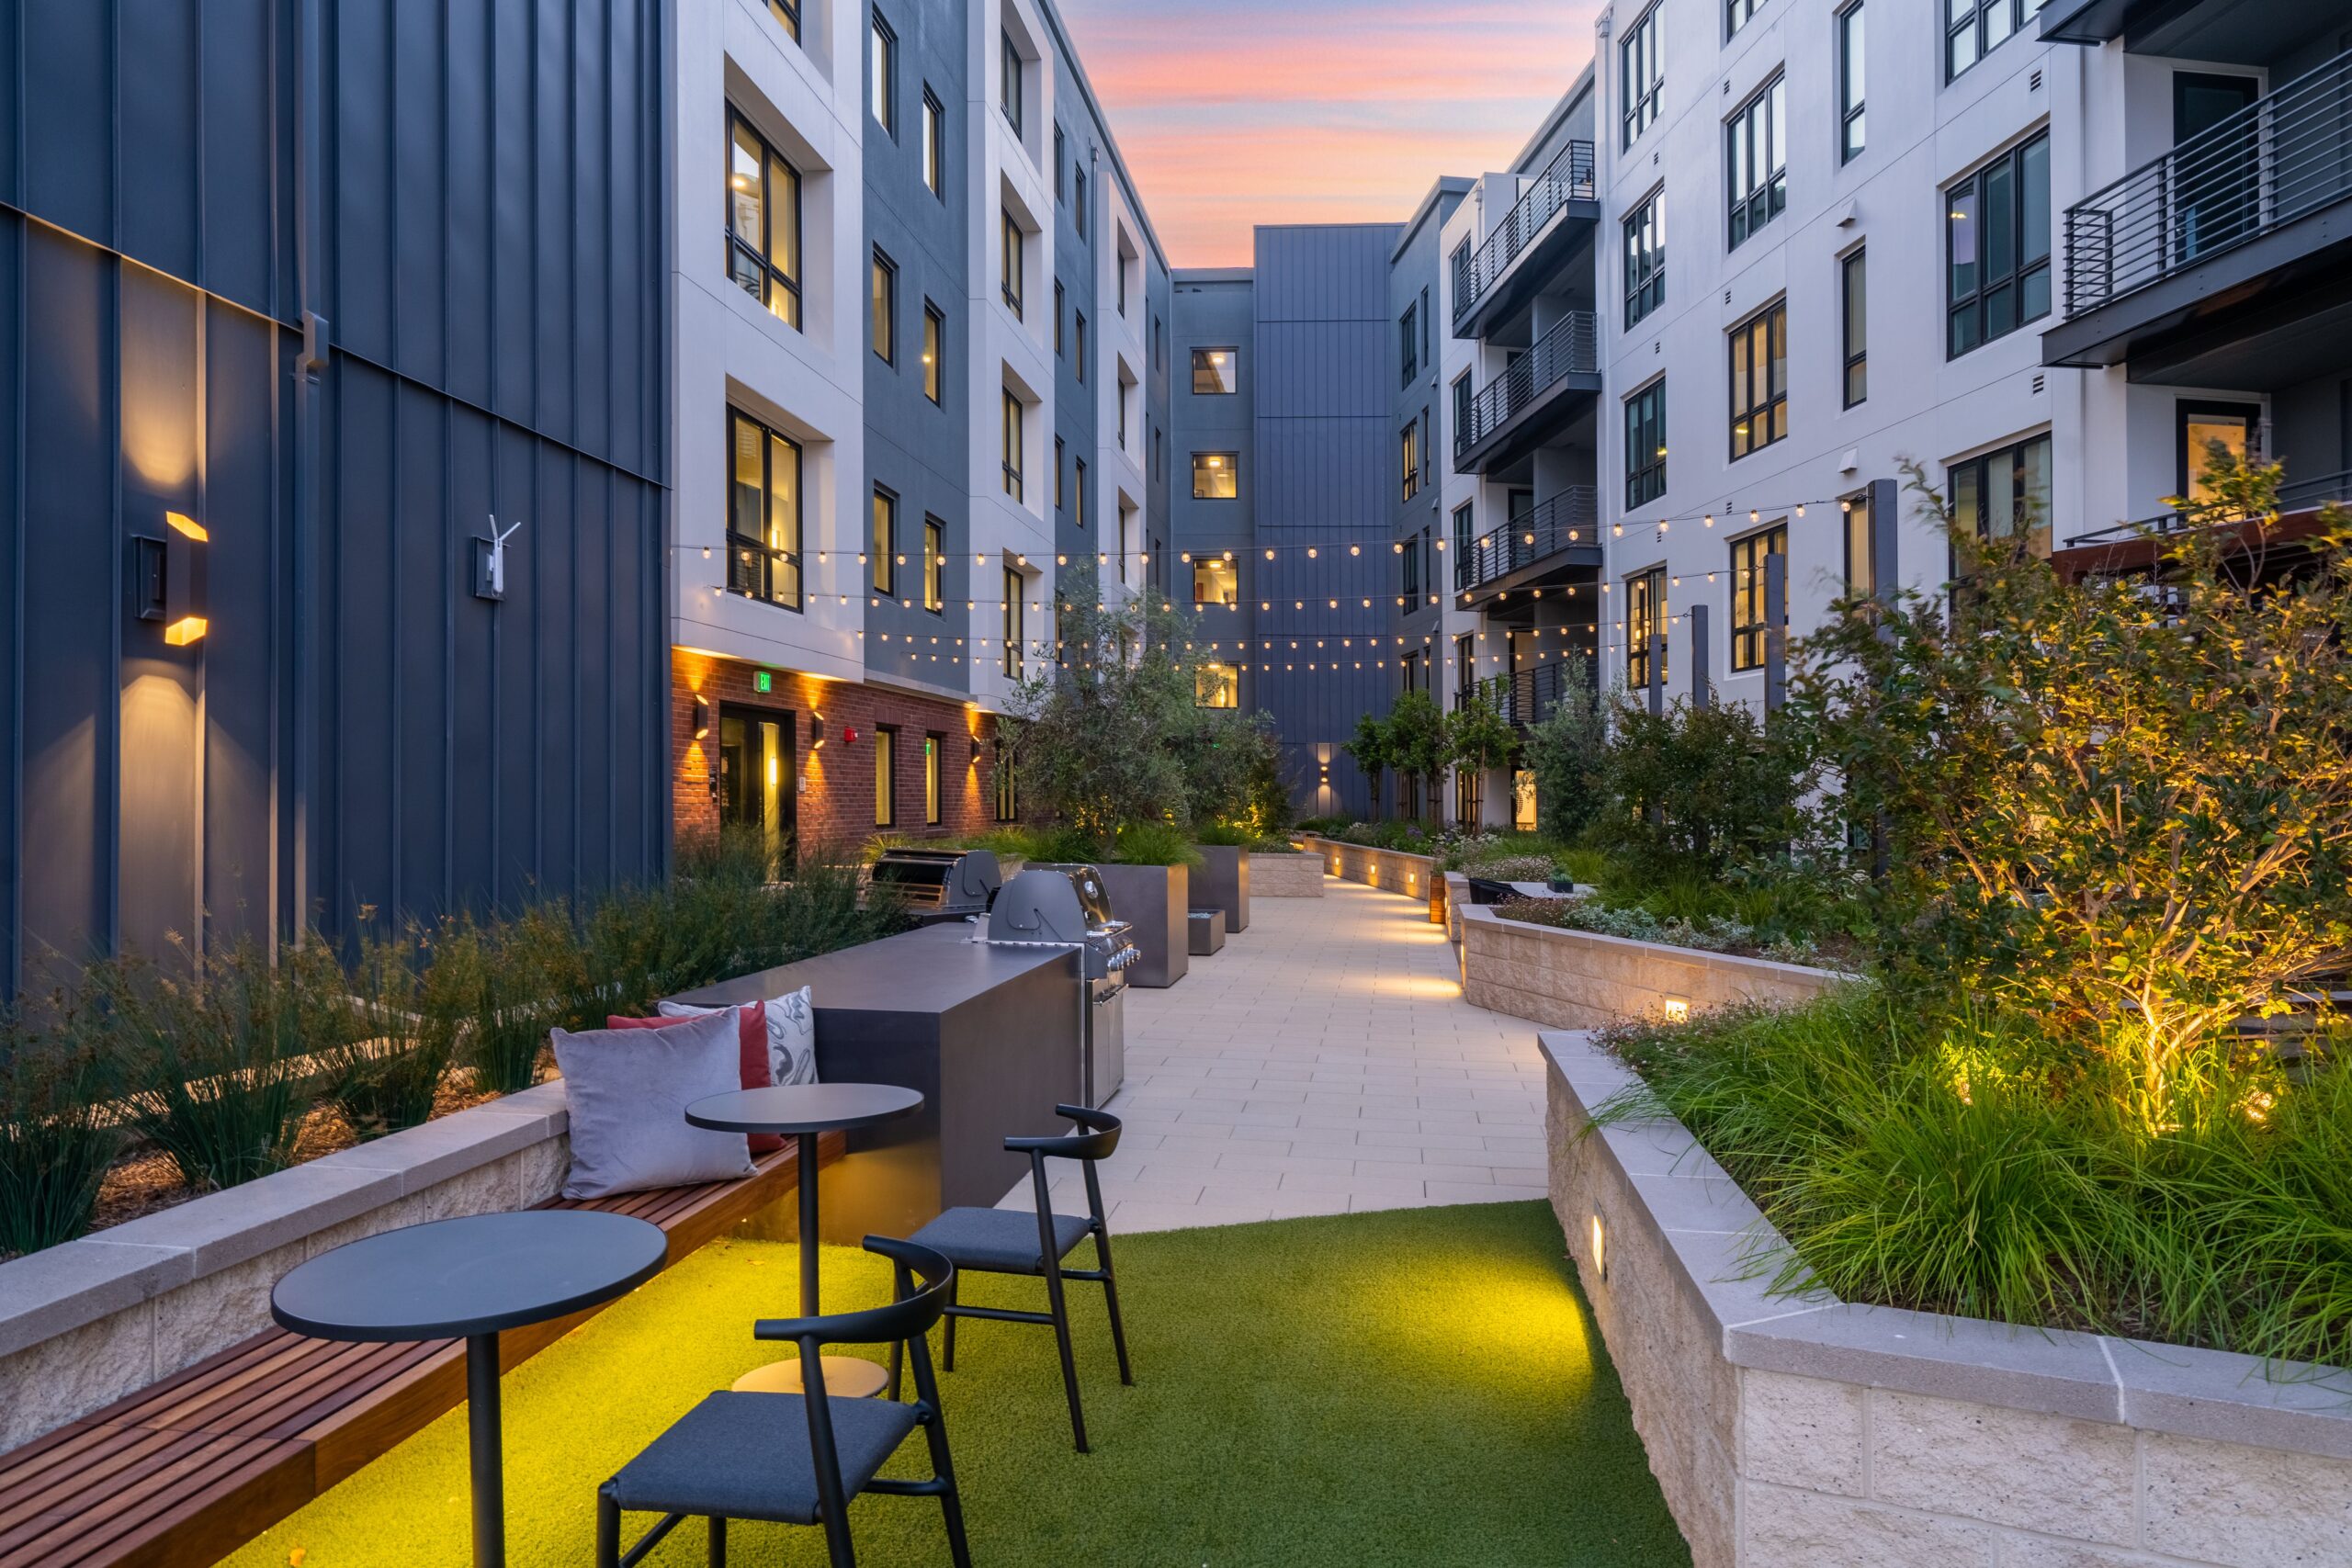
(189, 1468)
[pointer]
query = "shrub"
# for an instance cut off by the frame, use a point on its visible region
(395, 1040)
(1371, 749)
(1153, 844)
(1419, 743)
(55, 1141)
(516, 980)
(1565, 748)
(1695, 789)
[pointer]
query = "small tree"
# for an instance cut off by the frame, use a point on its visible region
(1564, 751)
(1371, 749)
(1697, 788)
(1479, 739)
(2128, 812)
(1417, 743)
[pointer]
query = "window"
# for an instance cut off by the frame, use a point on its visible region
(1011, 84)
(1853, 290)
(1078, 327)
(1058, 298)
(886, 309)
(935, 144)
(1754, 163)
(1009, 262)
(1737, 13)
(1644, 620)
(1463, 522)
(886, 777)
(1216, 581)
(763, 512)
(1997, 247)
(788, 16)
(886, 542)
(1125, 267)
(1851, 131)
(934, 352)
(1012, 423)
(1408, 343)
(1078, 487)
(1216, 686)
(1428, 354)
(1760, 380)
(1466, 670)
(1216, 476)
(933, 744)
(1749, 617)
(2006, 494)
(763, 222)
(2235, 425)
(1159, 453)
(1645, 444)
(1408, 582)
(884, 85)
(1078, 201)
(1008, 797)
(1216, 372)
(1014, 622)
(1061, 156)
(1646, 257)
(1862, 561)
(1461, 410)
(1125, 388)
(934, 566)
(1410, 445)
(1973, 28)
(1641, 72)
(1058, 473)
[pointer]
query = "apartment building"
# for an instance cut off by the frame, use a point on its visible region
(919, 376)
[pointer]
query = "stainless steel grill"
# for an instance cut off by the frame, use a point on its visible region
(1066, 907)
(939, 885)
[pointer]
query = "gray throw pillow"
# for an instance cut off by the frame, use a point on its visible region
(629, 1090)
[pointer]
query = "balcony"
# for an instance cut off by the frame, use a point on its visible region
(1553, 219)
(2140, 548)
(2237, 32)
(1542, 545)
(2227, 262)
(1524, 695)
(1530, 403)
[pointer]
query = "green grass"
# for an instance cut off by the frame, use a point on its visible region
(1423, 1388)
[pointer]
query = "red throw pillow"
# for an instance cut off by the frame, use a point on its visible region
(751, 1025)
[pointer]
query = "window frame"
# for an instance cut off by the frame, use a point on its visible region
(1408, 344)
(788, 16)
(1849, 27)
(1639, 50)
(882, 529)
(1004, 784)
(882, 72)
(1061, 157)
(1218, 678)
(1231, 469)
(1981, 468)
(1977, 27)
(1231, 569)
(795, 600)
(1854, 326)
(935, 564)
(1012, 88)
(883, 298)
(760, 252)
(1737, 14)
(1408, 574)
(1012, 260)
(1409, 442)
(1078, 491)
(1015, 626)
(934, 354)
(886, 775)
(1862, 556)
(1015, 432)
(1645, 411)
(1209, 353)
(1648, 586)
(934, 772)
(1748, 182)
(1751, 623)
(1077, 333)
(935, 143)
(1769, 326)
(1644, 256)
(1977, 302)
(2189, 411)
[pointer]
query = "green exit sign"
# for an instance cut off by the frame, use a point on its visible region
(764, 682)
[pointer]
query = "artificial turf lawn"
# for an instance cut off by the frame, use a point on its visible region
(1419, 1387)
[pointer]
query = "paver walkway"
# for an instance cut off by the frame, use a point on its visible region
(1325, 1062)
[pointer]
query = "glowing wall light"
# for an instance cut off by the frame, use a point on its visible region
(170, 580)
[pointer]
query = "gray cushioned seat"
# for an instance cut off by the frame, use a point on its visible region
(746, 1456)
(998, 1241)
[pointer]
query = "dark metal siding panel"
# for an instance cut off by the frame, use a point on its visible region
(66, 93)
(422, 587)
(472, 783)
(471, 324)
(161, 139)
(244, 185)
(362, 548)
(418, 116)
(554, 280)
(12, 400)
(514, 169)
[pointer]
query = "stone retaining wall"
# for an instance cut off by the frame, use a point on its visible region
(1390, 871)
(1279, 875)
(1812, 1433)
(85, 1322)
(1567, 979)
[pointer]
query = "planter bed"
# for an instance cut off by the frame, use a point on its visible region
(1276, 874)
(1788, 1431)
(1572, 979)
(1389, 871)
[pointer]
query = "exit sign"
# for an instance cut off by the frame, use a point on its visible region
(764, 682)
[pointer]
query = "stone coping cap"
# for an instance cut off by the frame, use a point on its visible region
(1367, 848)
(1724, 1254)
(1698, 955)
(62, 1288)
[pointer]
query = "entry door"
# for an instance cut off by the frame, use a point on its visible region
(2202, 424)
(2218, 182)
(756, 784)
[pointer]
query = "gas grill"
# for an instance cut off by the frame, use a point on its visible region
(1065, 906)
(939, 885)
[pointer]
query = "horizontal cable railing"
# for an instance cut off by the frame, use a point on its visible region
(2280, 158)
(1569, 177)
(1568, 349)
(1524, 696)
(1567, 518)
(2300, 495)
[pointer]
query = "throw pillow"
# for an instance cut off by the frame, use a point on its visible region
(629, 1090)
(792, 1033)
(751, 1023)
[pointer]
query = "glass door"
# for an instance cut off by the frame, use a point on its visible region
(757, 786)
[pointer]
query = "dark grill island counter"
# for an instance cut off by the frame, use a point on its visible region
(987, 1035)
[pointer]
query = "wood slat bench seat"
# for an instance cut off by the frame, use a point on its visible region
(186, 1471)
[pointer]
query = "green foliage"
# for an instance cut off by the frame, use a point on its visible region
(1954, 1161)
(1565, 751)
(1153, 844)
(1696, 789)
(55, 1142)
(1373, 750)
(1419, 742)
(1478, 737)
(2127, 814)
(1687, 928)
(394, 1039)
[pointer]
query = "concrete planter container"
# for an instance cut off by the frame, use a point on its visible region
(1787, 1430)
(1281, 875)
(1222, 881)
(1569, 979)
(1157, 901)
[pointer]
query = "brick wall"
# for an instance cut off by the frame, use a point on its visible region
(836, 803)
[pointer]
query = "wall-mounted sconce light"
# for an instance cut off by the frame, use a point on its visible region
(1600, 1250)
(815, 732)
(170, 580)
(702, 716)
(490, 561)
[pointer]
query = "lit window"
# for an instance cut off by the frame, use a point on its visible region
(1216, 372)
(1216, 686)
(933, 745)
(1853, 286)
(763, 222)
(1749, 598)
(1760, 380)
(1015, 623)
(788, 16)
(934, 566)
(886, 309)
(1645, 622)
(1012, 424)
(1861, 574)
(1409, 442)
(886, 777)
(886, 541)
(1214, 476)
(934, 352)
(1216, 581)
(763, 513)
(1997, 247)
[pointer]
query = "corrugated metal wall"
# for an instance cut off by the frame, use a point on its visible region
(466, 197)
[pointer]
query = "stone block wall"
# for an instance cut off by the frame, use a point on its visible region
(1566, 979)
(1806, 1432)
(1279, 875)
(1390, 871)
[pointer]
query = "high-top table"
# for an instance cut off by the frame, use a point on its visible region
(801, 1112)
(467, 1279)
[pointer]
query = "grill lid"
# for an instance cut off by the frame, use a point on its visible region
(959, 880)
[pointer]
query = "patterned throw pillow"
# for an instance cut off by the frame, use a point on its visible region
(792, 1033)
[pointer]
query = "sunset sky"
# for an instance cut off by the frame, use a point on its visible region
(1238, 112)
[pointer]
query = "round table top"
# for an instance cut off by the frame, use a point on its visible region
(803, 1107)
(473, 1275)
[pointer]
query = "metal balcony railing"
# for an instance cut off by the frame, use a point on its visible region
(1568, 349)
(2280, 158)
(2300, 495)
(1569, 177)
(1525, 695)
(1567, 518)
